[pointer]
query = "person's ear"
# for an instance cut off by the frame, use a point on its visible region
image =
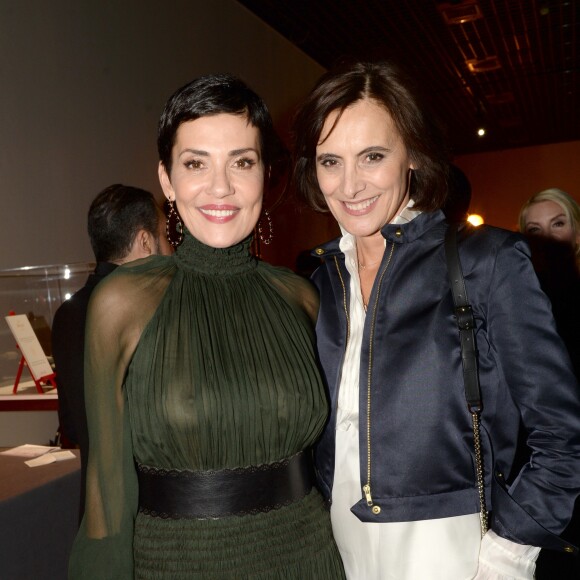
(165, 182)
(145, 243)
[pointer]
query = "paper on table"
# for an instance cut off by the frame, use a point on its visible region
(28, 450)
(50, 458)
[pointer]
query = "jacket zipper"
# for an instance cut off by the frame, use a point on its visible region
(345, 307)
(344, 304)
(367, 486)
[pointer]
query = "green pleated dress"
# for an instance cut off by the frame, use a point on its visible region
(203, 360)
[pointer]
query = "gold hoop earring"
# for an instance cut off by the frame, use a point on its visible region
(266, 240)
(173, 225)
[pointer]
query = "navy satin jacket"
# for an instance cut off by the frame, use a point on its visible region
(422, 460)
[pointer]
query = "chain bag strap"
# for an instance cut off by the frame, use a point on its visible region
(466, 326)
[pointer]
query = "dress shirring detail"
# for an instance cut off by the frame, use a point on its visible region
(193, 255)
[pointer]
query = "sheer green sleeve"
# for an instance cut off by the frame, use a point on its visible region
(119, 309)
(295, 289)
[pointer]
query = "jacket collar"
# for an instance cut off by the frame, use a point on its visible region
(396, 233)
(410, 231)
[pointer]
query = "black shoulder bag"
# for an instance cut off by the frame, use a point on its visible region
(466, 325)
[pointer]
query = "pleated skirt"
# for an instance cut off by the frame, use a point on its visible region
(291, 543)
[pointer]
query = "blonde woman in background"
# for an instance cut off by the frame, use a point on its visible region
(554, 214)
(551, 221)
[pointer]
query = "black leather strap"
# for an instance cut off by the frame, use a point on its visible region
(215, 494)
(465, 322)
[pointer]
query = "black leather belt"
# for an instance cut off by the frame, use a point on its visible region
(216, 494)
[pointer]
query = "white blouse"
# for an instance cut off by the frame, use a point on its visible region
(438, 549)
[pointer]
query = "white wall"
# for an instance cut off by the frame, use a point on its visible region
(82, 84)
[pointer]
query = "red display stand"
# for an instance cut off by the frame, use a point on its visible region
(33, 356)
(48, 379)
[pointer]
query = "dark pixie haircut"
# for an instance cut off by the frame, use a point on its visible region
(214, 95)
(387, 85)
(115, 217)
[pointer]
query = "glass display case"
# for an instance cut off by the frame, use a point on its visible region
(36, 291)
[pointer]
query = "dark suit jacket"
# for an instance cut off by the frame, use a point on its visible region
(68, 347)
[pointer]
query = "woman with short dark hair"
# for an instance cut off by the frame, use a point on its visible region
(202, 389)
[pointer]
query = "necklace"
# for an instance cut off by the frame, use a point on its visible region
(362, 266)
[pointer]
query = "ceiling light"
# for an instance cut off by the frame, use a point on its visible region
(487, 64)
(467, 11)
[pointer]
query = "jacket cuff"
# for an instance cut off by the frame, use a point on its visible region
(511, 521)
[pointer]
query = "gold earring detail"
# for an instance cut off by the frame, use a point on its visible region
(266, 240)
(173, 225)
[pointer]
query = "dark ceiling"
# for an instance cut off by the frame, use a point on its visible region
(511, 66)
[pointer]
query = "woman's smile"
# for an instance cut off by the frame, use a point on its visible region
(219, 214)
(361, 207)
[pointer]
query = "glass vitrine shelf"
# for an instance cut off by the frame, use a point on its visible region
(36, 291)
